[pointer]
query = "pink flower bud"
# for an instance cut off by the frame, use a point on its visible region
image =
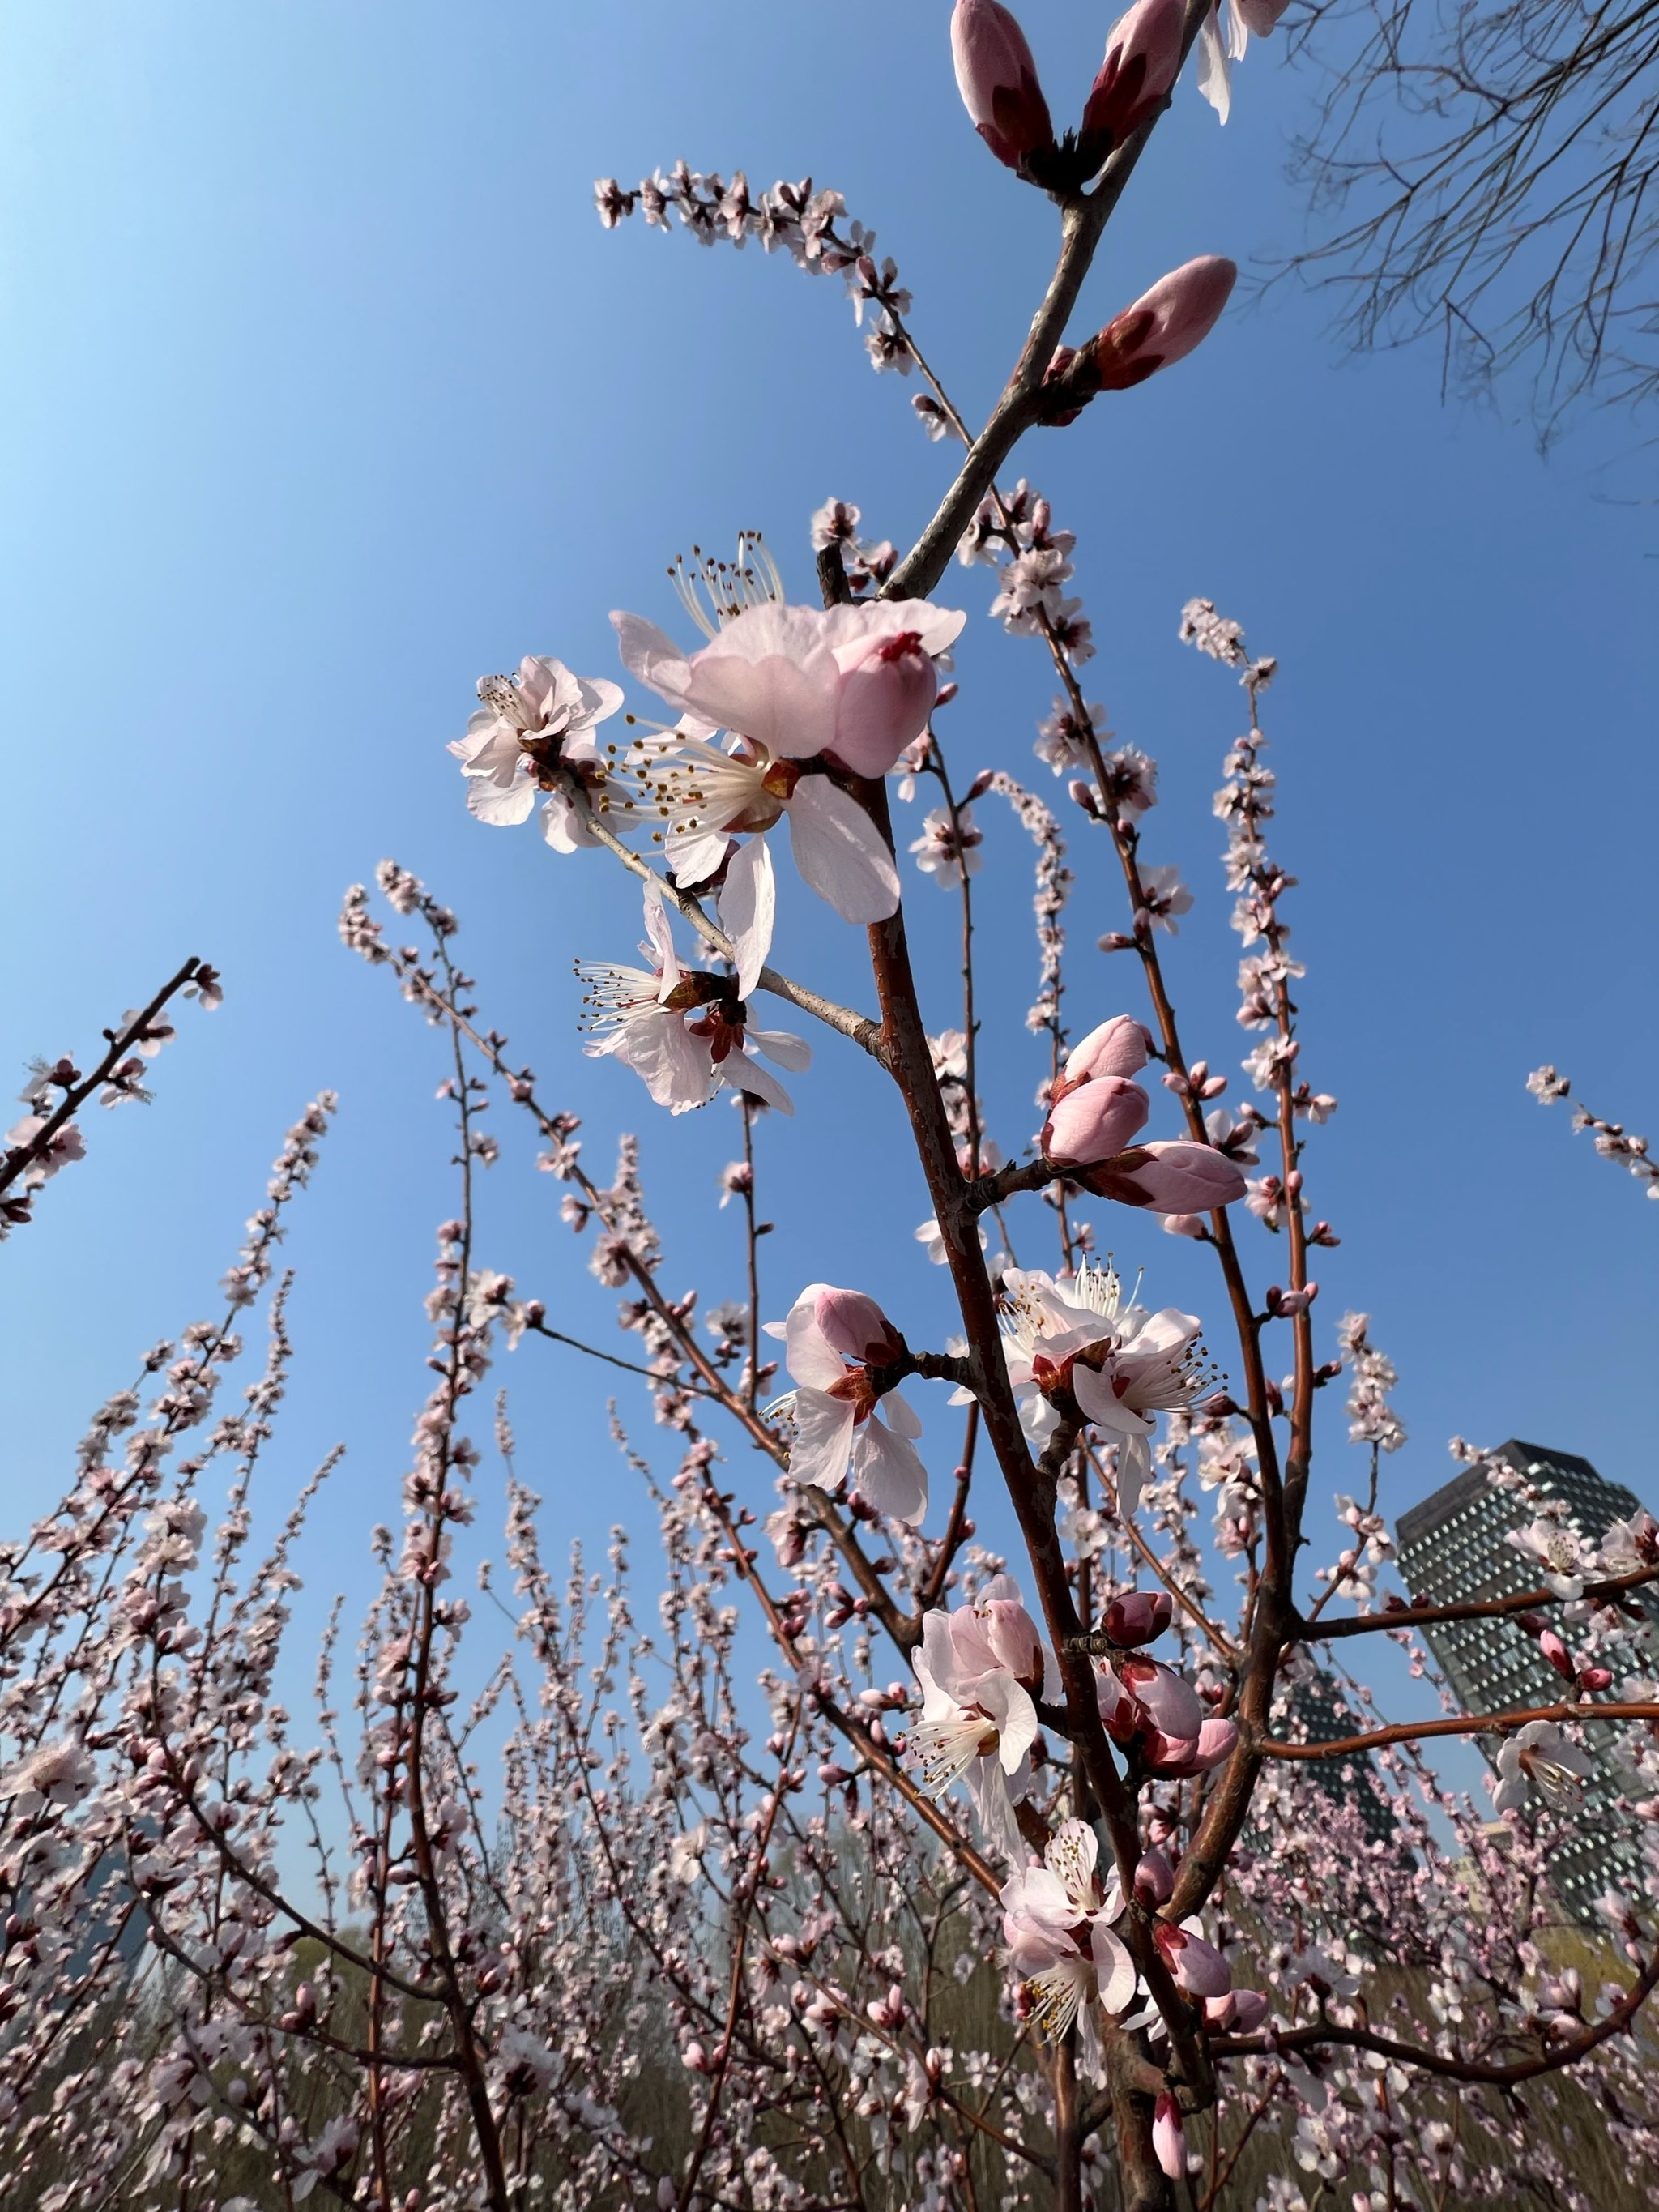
(1214, 1743)
(1154, 1879)
(1168, 1700)
(1249, 2010)
(1095, 1121)
(1174, 1176)
(1596, 1678)
(1197, 1966)
(856, 1327)
(1183, 1225)
(998, 81)
(1142, 61)
(1138, 1618)
(1557, 1654)
(1165, 324)
(1116, 1048)
(1168, 2141)
(886, 695)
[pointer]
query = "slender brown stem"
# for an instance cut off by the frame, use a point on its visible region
(19, 1159)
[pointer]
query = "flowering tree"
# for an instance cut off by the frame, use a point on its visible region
(972, 1898)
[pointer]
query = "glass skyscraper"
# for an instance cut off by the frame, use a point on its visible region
(1452, 1548)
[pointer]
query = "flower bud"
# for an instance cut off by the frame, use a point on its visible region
(1174, 1176)
(1215, 1742)
(1118, 1046)
(1168, 1700)
(1197, 1966)
(1154, 1879)
(1096, 1119)
(855, 1326)
(1596, 1678)
(1168, 2141)
(998, 81)
(1138, 1618)
(1557, 1654)
(1142, 62)
(1249, 2010)
(1165, 324)
(886, 695)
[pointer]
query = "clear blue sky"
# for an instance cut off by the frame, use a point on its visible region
(323, 393)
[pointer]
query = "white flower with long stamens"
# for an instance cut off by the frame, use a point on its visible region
(978, 1721)
(1541, 1755)
(639, 1016)
(1056, 1922)
(527, 726)
(1121, 1364)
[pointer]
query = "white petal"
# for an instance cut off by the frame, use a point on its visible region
(824, 1439)
(1213, 79)
(653, 656)
(887, 1470)
(746, 905)
(500, 809)
(675, 1065)
(840, 852)
(1134, 1465)
(783, 1046)
(988, 1787)
(563, 828)
(741, 1071)
(661, 935)
(896, 1411)
(1012, 1709)
(1115, 1967)
(808, 1354)
(694, 855)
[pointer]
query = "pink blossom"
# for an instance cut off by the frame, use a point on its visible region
(526, 727)
(1056, 1924)
(855, 1326)
(998, 81)
(790, 683)
(640, 1016)
(995, 1630)
(977, 1722)
(841, 1420)
(857, 682)
(1164, 324)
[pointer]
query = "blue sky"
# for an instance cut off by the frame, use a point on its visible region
(324, 393)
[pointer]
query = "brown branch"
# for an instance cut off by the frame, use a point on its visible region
(1322, 2033)
(1082, 221)
(1462, 1724)
(1418, 1616)
(17, 1161)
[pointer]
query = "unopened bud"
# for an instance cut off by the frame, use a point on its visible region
(1142, 63)
(1164, 324)
(998, 81)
